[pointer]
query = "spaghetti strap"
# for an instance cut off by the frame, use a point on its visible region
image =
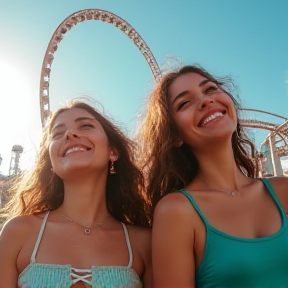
(275, 198)
(128, 245)
(194, 204)
(33, 256)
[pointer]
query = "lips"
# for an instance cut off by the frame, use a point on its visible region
(75, 148)
(210, 116)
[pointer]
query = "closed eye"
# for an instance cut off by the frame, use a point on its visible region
(57, 135)
(211, 88)
(87, 125)
(182, 105)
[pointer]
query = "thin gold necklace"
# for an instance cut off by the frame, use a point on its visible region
(231, 193)
(87, 230)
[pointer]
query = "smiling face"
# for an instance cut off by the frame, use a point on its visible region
(78, 141)
(200, 110)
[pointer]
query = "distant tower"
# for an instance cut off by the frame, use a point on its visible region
(15, 157)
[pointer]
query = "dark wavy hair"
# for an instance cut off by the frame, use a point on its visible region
(41, 189)
(168, 168)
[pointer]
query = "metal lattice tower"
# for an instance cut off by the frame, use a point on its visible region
(14, 169)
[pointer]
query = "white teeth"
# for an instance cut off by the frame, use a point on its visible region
(71, 150)
(212, 117)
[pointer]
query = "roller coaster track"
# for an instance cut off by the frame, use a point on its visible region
(253, 123)
(275, 130)
(280, 131)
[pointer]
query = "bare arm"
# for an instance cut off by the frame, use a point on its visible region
(10, 245)
(173, 258)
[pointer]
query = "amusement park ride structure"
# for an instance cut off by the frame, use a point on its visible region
(274, 146)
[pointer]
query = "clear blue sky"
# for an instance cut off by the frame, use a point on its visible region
(245, 39)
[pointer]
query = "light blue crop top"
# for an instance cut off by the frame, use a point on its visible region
(235, 262)
(38, 275)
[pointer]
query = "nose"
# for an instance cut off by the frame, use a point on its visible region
(71, 134)
(205, 102)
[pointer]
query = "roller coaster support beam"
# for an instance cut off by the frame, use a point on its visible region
(277, 167)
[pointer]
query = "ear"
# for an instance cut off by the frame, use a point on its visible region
(114, 155)
(178, 142)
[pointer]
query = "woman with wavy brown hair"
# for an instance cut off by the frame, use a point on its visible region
(78, 218)
(215, 223)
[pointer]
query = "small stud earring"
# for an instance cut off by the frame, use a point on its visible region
(112, 168)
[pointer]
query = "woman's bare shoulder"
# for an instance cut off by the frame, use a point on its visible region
(20, 225)
(279, 182)
(173, 204)
(14, 234)
(280, 187)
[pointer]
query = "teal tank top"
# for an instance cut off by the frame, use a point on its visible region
(38, 275)
(234, 262)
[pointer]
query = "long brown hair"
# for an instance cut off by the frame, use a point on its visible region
(168, 168)
(40, 189)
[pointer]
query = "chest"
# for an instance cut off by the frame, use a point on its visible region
(232, 262)
(248, 216)
(64, 246)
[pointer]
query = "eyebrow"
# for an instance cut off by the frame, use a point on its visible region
(186, 91)
(76, 120)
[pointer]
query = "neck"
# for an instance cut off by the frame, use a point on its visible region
(85, 200)
(218, 170)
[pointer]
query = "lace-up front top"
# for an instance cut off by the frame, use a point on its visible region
(37, 275)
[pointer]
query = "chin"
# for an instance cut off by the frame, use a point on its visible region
(73, 169)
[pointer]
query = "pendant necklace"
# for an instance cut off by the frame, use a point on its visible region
(87, 230)
(231, 193)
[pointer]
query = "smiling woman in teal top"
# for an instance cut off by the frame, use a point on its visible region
(78, 219)
(215, 224)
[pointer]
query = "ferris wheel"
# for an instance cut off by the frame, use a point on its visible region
(65, 26)
(277, 140)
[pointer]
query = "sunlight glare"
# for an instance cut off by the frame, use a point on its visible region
(14, 113)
